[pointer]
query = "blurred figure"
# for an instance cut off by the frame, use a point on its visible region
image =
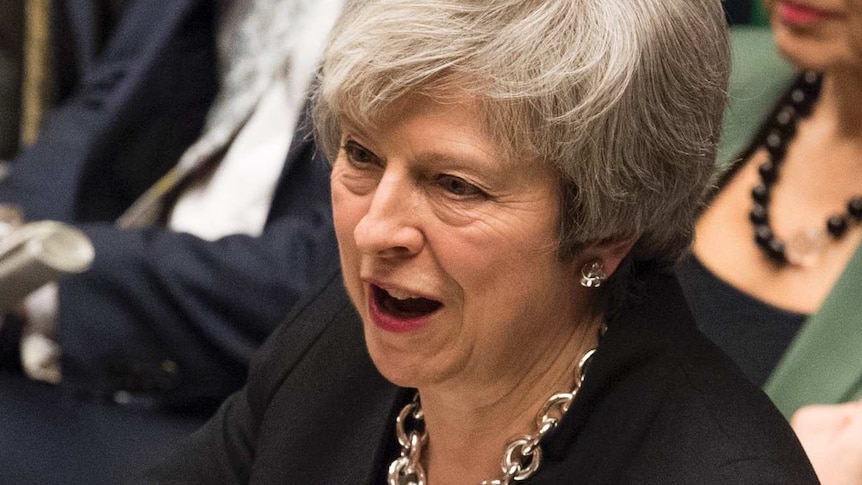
(776, 263)
(184, 152)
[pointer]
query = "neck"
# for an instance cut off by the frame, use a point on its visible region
(469, 430)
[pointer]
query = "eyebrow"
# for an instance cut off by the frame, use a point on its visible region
(490, 175)
(349, 128)
(458, 161)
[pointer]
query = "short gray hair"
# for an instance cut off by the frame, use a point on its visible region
(623, 97)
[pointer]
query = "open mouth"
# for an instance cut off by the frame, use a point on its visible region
(404, 306)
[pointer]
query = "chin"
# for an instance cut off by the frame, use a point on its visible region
(394, 362)
(804, 54)
(406, 363)
(394, 366)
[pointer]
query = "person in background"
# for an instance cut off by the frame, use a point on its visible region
(512, 182)
(774, 273)
(184, 152)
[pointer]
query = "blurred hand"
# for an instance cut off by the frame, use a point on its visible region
(11, 217)
(832, 438)
(40, 353)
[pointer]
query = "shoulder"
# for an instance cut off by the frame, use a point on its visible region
(715, 425)
(662, 404)
(709, 419)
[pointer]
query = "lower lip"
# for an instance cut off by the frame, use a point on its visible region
(389, 323)
(800, 15)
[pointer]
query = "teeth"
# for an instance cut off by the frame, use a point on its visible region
(400, 295)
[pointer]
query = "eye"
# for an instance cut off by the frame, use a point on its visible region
(359, 155)
(459, 187)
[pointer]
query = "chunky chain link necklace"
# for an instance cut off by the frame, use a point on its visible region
(522, 456)
(801, 248)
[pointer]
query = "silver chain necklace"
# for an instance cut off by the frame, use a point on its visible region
(522, 456)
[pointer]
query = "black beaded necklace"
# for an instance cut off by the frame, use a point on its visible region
(796, 105)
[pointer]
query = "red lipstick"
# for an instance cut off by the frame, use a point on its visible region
(801, 15)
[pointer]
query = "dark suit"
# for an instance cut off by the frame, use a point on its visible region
(137, 102)
(162, 321)
(660, 405)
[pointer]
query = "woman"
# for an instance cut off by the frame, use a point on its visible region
(781, 227)
(776, 262)
(510, 179)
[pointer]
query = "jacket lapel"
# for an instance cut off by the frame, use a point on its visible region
(823, 364)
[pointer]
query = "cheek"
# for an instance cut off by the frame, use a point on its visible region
(499, 257)
(343, 218)
(346, 212)
(347, 209)
(856, 40)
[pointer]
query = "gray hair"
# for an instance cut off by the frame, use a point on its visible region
(623, 97)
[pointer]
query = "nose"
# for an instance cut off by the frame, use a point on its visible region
(389, 228)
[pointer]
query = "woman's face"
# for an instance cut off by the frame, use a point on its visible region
(449, 252)
(819, 35)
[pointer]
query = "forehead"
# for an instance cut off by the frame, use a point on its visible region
(449, 114)
(424, 124)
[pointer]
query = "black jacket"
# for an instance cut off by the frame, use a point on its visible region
(660, 404)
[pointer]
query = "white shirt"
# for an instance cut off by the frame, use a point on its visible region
(236, 198)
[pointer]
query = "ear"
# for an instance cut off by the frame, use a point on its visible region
(609, 253)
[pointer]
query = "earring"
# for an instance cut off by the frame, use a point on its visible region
(593, 275)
